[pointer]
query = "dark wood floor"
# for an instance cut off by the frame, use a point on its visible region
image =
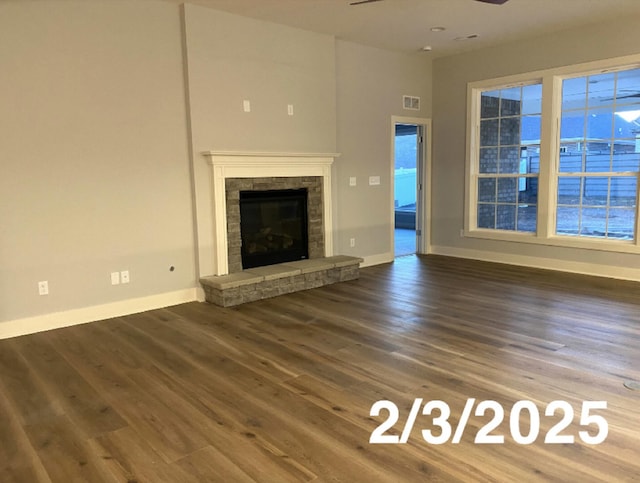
(280, 390)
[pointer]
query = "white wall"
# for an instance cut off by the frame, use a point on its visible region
(94, 166)
(451, 76)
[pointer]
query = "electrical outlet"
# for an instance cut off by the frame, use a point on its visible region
(115, 278)
(43, 287)
(352, 242)
(374, 180)
(124, 276)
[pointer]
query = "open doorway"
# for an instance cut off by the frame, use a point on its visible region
(410, 202)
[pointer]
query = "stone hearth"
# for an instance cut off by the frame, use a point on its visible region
(273, 280)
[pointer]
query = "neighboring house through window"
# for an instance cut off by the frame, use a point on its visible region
(599, 155)
(507, 179)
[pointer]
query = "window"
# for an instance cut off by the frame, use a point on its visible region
(507, 190)
(555, 157)
(599, 156)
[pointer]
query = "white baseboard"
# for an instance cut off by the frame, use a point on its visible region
(583, 268)
(378, 259)
(56, 320)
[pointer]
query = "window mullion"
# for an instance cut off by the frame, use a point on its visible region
(636, 238)
(472, 161)
(549, 149)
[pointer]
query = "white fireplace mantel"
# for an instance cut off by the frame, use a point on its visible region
(232, 164)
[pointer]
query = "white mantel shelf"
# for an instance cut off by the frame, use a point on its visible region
(236, 164)
(249, 154)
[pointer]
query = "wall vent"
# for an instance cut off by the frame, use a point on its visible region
(411, 103)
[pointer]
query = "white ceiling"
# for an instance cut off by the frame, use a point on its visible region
(404, 25)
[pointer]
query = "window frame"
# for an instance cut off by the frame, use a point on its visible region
(551, 80)
(477, 175)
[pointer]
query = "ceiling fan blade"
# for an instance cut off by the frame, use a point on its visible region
(493, 2)
(361, 2)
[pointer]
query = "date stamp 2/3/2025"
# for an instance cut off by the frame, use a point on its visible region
(522, 414)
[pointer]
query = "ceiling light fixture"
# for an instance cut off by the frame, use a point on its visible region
(438, 29)
(427, 48)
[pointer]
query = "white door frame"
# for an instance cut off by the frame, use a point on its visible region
(423, 245)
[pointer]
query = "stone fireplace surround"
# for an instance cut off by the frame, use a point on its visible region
(227, 165)
(235, 171)
(313, 185)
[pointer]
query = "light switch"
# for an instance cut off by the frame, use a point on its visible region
(352, 181)
(290, 109)
(246, 105)
(374, 180)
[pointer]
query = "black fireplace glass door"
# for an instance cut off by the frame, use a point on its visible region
(273, 227)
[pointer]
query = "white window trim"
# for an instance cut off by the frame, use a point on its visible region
(549, 146)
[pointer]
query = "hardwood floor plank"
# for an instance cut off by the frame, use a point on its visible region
(18, 460)
(282, 389)
(168, 431)
(208, 464)
(79, 399)
(236, 328)
(205, 349)
(268, 421)
(142, 384)
(236, 434)
(129, 457)
(65, 453)
(24, 389)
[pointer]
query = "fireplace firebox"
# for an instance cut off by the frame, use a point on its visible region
(273, 226)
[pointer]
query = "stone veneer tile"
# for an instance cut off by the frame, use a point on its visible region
(232, 280)
(233, 186)
(312, 265)
(273, 272)
(343, 260)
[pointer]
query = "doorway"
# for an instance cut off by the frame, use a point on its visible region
(410, 177)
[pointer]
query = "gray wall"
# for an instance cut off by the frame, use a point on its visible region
(106, 107)
(370, 86)
(232, 58)
(94, 166)
(450, 78)
(97, 158)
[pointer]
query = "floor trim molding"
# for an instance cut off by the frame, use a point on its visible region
(583, 268)
(378, 259)
(67, 318)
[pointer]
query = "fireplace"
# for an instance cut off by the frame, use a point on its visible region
(234, 172)
(278, 183)
(273, 227)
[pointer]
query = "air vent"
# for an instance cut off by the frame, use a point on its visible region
(411, 103)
